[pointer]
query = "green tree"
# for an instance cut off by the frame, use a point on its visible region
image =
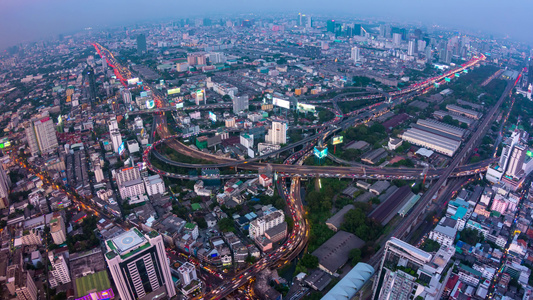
(226, 225)
(354, 256)
(309, 261)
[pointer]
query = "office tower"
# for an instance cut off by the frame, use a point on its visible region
(116, 140)
(240, 103)
(411, 48)
(382, 30)
(277, 134)
(20, 283)
(357, 30)
(308, 22)
(355, 55)
(299, 19)
(57, 229)
(126, 96)
(330, 26)
(396, 39)
(139, 266)
(417, 34)
(516, 160)
(421, 45)
(59, 273)
(41, 135)
(407, 272)
(187, 273)
(92, 84)
(141, 44)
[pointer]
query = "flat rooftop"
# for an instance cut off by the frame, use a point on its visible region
(128, 240)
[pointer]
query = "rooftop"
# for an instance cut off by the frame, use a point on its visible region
(128, 240)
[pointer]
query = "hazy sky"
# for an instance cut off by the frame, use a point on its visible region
(28, 20)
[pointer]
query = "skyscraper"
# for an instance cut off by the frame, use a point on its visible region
(530, 72)
(330, 26)
(407, 272)
(92, 84)
(396, 39)
(277, 134)
(240, 103)
(139, 266)
(141, 44)
(516, 160)
(57, 229)
(59, 273)
(41, 135)
(411, 48)
(355, 55)
(5, 183)
(116, 140)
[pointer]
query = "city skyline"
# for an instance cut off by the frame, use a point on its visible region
(31, 20)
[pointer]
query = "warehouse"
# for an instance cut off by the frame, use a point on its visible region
(374, 156)
(441, 114)
(333, 254)
(436, 125)
(431, 140)
(464, 111)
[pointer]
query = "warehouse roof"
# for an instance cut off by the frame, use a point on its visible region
(351, 283)
(333, 254)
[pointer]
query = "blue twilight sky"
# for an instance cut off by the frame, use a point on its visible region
(28, 20)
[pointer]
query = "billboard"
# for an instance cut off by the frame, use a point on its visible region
(338, 139)
(121, 149)
(179, 105)
(212, 116)
(133, 81)
(320, 153)
(281, 103)
(305, 107)
(150, 104)
(173, 91)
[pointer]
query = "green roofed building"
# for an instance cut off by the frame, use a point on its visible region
(139, 267)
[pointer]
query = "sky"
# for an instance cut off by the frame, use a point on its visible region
(30, 20)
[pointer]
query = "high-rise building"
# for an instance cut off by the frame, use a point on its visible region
(240, 103)
(41, 135)
(277, 134)
(126, 96)
(92, 84)
(407, 272)
(116, 140)
(396, 39)
(516, 160)
(141, 44)
(308, 22)
(187, 273)
(127, 174)
(530, 72)
(355, 55)
(112, 124)
(59, 274)
(57, 229)
(139, 266)
(260, 225)
(20, 283)
(411, 48)
(5, 184)
(330, 26)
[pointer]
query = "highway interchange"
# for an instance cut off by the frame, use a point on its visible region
(293, 167)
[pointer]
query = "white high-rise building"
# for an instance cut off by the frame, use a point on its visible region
(126, 96)
(516, 160)
(112, 124)
(116, 140)
(127, 174)
(264, 223)
(139, 266)
(356, 55)
(421, 45)
(411, 48)
(187, 273)
(41, 135)
(277, 134)
(5, 183)
(154, 185)
(396, 39)
(20, 283)
(59, 272)
(138, 122)
(99, 174)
